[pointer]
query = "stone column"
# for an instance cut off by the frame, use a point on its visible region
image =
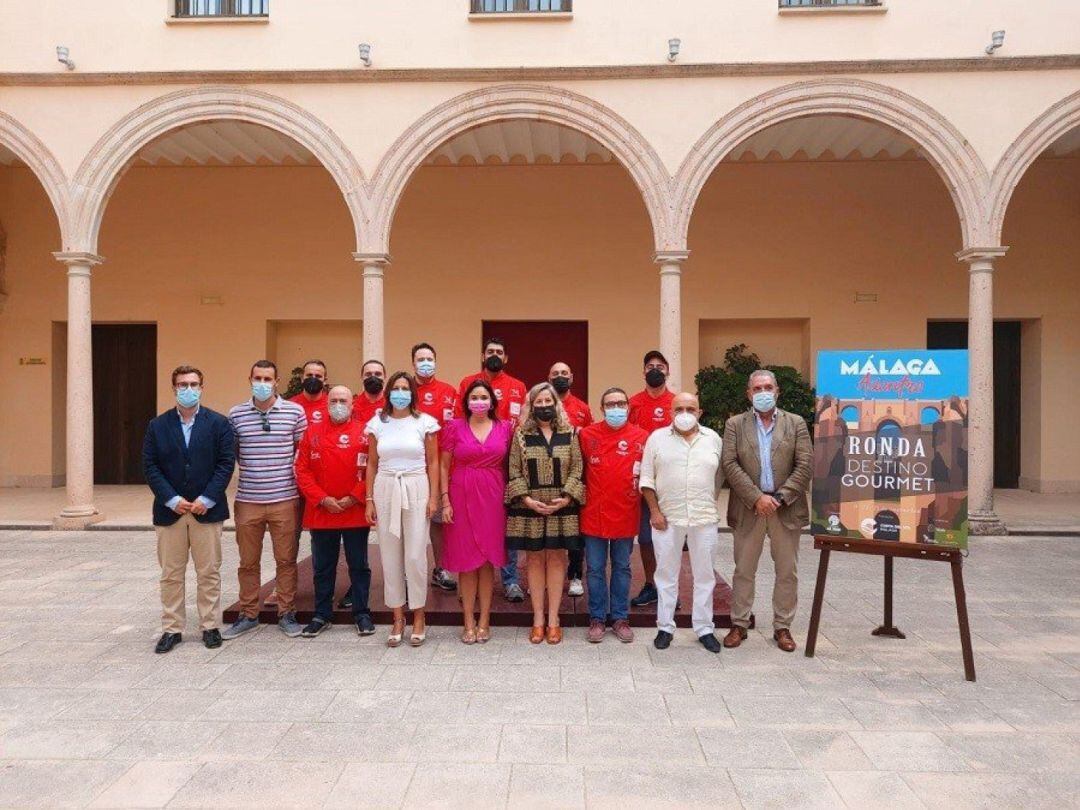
(980, 261)
(374, 265)
(670, 262)
(80, 510)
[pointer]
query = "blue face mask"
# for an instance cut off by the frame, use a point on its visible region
(400, 399)
(764, 401)
(188, 397)
(425, 368)
(616, 417)
(262, 391)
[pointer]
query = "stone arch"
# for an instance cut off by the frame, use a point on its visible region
(1057, 120)
(501, 102)
(106, 162)
(952, 156)
(36, 155)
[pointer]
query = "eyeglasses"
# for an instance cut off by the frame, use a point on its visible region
(184, 386)
(265, 421)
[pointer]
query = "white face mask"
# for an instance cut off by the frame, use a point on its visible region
(685, 421)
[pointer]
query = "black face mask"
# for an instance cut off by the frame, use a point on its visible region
(312, 385)
(373, 385)
(493, 363)
(545, 413)
(654, 378)
(561, 384)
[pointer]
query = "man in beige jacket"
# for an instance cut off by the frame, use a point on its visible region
(767, 459)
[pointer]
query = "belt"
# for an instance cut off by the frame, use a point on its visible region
(399, 498)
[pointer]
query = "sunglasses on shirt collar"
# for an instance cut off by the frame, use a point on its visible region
(265, 421)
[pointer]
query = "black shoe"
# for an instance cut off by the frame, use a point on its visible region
(662, 640)
(710, 642)
(211, 638)
(167, 642)
(346, 602)
(647, 596)
(315, 626)
(365, 626)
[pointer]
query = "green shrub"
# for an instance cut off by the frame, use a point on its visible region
(295, 383)
(722, 389)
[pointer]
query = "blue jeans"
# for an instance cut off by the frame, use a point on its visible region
(325, 546)
(509, 572)
(608, 598)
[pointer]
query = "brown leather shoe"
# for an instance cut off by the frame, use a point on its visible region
(554, 635)
(622, 631)
(784, 640)
(735, 636)
(536, 635)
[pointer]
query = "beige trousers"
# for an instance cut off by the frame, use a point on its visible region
(784, 545)
(202, 542)
(403, 531)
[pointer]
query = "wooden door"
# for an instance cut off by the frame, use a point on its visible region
(954, 335)
(533, 346)
(125, 399)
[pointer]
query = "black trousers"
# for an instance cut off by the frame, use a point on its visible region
(575, 564)
(325, 549)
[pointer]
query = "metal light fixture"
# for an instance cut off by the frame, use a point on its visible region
(63, 57)
(673, 49)
(365, 54)
(997, 39)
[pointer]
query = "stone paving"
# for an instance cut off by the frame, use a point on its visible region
(89, 716)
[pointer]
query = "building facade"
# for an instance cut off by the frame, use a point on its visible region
(214, 181)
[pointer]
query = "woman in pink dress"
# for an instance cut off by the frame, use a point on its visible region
(473, 452)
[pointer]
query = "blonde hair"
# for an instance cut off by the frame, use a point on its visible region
(561, 422)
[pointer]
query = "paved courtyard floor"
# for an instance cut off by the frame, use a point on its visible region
(89, 716)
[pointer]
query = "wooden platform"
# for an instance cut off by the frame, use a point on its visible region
(443, 608)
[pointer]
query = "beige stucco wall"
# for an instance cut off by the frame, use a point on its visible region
(132, 34)
(768, 240)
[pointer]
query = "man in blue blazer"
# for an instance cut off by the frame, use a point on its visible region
(188, 457)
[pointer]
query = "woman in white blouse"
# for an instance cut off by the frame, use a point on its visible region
(402, 484)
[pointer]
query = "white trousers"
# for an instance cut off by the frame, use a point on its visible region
(668, 546)
(403, 531)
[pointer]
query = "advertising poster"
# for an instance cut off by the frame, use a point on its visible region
(890, 446)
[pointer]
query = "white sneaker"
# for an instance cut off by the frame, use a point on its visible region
(576, 588)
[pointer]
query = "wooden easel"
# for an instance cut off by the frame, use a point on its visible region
(889, 551)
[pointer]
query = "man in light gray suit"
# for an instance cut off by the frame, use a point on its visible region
(767, 459)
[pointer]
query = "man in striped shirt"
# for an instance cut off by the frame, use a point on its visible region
(268, 429)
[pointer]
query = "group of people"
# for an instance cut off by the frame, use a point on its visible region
(482, 472)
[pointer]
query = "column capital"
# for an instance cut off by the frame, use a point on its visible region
(74, 258)
(984, 255)
(671, 256)
(372, 258)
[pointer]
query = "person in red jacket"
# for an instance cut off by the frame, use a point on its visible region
(612, 452)
(577, 411)
(368, 403)
(650, 410)
(510, 394)
(331, 463)
(438, 400)
(312, 397)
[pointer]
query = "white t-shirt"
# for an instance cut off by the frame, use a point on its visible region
(401, 442)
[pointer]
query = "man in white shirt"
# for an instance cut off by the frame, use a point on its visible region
(681, 477)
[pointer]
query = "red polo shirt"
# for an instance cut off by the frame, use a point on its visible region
(315, 409)
(363, 409)
(612, 464)
(332, 462)
(509, 391)
(437, 399)
(651, 413)
(577, 411)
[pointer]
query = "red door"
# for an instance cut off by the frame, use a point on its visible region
(533, 346)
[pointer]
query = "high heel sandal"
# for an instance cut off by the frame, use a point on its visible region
(416, 639)
(394, 639)
(468, 636)
(537, 634)
(483, 634)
